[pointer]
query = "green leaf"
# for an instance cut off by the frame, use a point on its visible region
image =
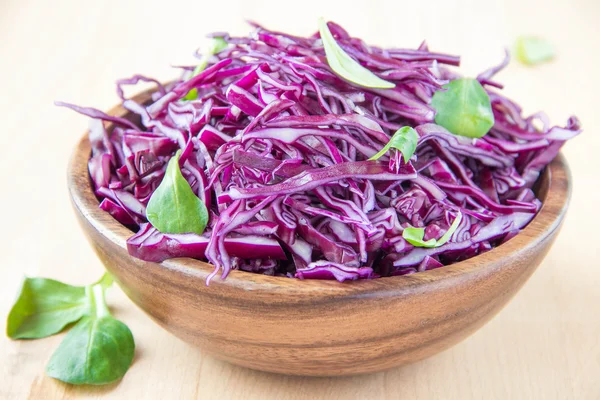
(531, 50)
(464, 108)
(216, 45)
(450, 230)
(344, 66)
(96, 351)
(44, 307)
(173, 207)
(404, 140)
(415, 236)
(106, 281)
(191, 95)
(99, 349)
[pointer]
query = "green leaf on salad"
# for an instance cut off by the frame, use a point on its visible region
(217, 44)
(173, 207)
(464, 108)
(415, 236)
(346, 67)
(404, 140)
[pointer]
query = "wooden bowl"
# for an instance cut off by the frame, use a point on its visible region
(320, 328)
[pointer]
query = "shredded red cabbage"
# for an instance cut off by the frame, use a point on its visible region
(277, 147)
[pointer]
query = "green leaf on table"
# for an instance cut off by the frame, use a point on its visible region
(95, 352)
(216, 46)
(98, 350)
(404, 140)
(415, 236)
(106, 281)
(532, 50)
(464, 108)
(173, 207)
(44, 307)
(345, 66)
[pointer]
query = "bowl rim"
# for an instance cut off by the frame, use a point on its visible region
(548, 219)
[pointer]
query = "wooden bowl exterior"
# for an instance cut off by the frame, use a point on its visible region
(320, 328)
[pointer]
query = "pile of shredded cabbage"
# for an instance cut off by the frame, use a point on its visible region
(276, 145)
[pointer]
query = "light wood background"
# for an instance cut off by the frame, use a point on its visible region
(544, 345)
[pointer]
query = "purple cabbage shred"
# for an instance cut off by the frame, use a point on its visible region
(277, 147)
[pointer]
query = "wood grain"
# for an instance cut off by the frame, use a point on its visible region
(543, 345)
(319, 328)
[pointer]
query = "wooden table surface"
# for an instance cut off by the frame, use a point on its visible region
(544, 345)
